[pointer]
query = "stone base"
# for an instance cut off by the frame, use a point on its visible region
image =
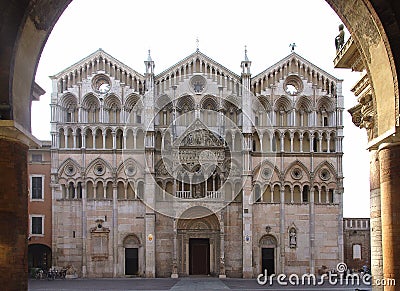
(174, 276)
(222, 276)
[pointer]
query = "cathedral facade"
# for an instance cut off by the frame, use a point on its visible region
(197, 170)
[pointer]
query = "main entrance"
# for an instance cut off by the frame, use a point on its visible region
(198, 243)
(199, 256)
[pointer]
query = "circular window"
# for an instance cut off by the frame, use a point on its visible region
(130, 170)
(99, 169)
(69, 170)
(266, 173)
(101, 84)
(198, 84)
(297, 173)
(293, 85)
(325, 174)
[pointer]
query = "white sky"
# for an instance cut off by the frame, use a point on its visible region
(126, 29)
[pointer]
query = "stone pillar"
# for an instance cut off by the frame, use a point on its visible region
(13, 207)
(222, 245)
(115, 229)
(150, 223)
(247, 230)
(282, 229)
(375, 221)
(312, 231)
(174, 273)
(389, 163)
(84, 230)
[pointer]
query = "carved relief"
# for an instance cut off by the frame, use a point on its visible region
(367, 113)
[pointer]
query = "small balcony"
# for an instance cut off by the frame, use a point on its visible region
(211, 195)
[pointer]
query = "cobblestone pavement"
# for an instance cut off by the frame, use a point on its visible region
(181, 284)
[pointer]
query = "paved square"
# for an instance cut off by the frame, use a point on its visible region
(181, 284)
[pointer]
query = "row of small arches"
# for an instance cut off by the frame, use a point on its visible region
(102, 190)
(118, 138)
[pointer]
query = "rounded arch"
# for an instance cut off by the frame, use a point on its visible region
(209, 102)
(131, 101)
(90, 101)
(112, 102)
(325, 104)
(164, 101)
(198, 217)
(186, 103)
(264, 102)
(283, 104)
(68, 100)
(268, 240)
(304, 103)
(131, 241)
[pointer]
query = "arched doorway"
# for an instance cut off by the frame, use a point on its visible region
(198, 236)
(39, 256)
(132, 255)
(268, 254)
(27, 24)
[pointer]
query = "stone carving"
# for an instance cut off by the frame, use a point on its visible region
(201, 137)
(268, 240)
(363, 114)
(222, 266)
(162, 170)
(339, 39)
(367, 115)
(292, 238)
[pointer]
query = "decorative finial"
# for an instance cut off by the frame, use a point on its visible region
(292, 46)
(197, 44)
(149, 57)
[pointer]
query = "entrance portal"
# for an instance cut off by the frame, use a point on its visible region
(131, 261)
(268, 261)
(199, 256)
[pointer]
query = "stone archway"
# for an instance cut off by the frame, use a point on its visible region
(132, 256)
(198, 238)
(24, 28)
(269, 255)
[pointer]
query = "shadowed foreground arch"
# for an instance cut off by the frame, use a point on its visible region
(24, 28)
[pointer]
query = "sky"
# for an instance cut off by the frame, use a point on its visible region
(127, 29)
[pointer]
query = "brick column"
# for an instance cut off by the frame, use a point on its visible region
(389, 162)
(13, 215)
(375, 221)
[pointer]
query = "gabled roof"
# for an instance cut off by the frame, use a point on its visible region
(97, 54)
(188, 59)
(290, 57)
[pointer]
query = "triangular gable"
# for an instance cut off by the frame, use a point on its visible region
(288, 58)
(197, 134)
(202, 57)
(100, 53)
